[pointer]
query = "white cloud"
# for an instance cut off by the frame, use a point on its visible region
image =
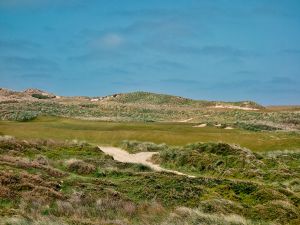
(110, 40)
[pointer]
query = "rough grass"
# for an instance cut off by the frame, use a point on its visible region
(147, 107)
(80, 167)
(95, 189)
(224, 160)
(113, 133)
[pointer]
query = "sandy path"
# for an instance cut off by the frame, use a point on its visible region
(185, 121)
(142, 157)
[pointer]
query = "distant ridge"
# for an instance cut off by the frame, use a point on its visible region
(139, 98)
(28, 94)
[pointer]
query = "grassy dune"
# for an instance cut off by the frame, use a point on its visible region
(112, 133)
(47, 182)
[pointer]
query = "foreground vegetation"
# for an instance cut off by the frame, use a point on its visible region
(280, 168)
(47, 182)
(113, 133)
(46, 178)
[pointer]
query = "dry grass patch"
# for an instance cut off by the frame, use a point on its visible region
(25, 163)
(279, 211)
(79, 166)
(188, 216)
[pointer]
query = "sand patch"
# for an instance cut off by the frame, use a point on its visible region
(201, 125)
(185, 121)
(233, 107)
(141, 157)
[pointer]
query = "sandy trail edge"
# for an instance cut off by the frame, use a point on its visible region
(142, 157)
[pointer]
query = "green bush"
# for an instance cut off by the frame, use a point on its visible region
(88, 105)
(80, 167)
(40, 96)
(24, 116)
(137, 146)
(256, 127)
(141, 168)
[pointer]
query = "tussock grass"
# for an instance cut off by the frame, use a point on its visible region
(95, 189)
(224, 160)
(149, 107)
(195, 216)
(80, 167)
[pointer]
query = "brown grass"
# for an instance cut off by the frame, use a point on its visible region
(25, 184)
(27, 164)
(79, 166)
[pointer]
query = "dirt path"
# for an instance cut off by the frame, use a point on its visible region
(185, 121)
(142, 157)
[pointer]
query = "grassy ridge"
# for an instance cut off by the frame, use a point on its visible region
(143, 107)
(145, 98)
(112, 133)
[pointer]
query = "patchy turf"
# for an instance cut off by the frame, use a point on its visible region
(113, 133)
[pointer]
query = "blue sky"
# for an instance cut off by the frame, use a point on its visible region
(203, 49)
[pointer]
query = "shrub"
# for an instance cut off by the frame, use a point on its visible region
(221, 206)
(40, 159)
(141, 168)
(256, 127)
(8, 102)
(88, 105)
(24, 116)
(278, 210)
(195, 216)
(40, 96)
(137, 146)
(80, 167)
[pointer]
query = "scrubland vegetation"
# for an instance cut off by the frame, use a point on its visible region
(224, 160)
(149, 107)
(51, 182)
(243, 165)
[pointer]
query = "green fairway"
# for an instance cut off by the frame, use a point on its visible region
(112, 133)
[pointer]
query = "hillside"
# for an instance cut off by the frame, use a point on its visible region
(145, 158)
(146, 107)
(146, 98)
(30, 94)
(170, 100)
(150, 98)
(71, 182)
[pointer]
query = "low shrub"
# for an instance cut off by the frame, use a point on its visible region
(255, 127)
(221, 206)
(80, 167)
(40, 159)
(88, 105)
(141, 168)
(137, 146)
(23, 116)
(40, 96)
(195, 216)
(279, 211)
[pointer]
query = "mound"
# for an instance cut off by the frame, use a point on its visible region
(170, 100)
(9, 96)
(150, 98)
(36, 93)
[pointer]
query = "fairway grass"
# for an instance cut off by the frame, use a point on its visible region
(112, 133)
